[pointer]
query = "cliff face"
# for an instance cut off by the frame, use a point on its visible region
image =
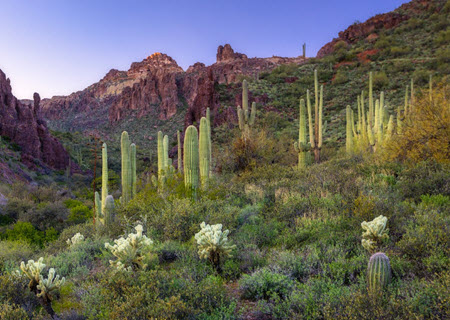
(157, 85)
(367, 30)
(24, 125)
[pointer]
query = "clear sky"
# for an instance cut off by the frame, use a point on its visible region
(56, 47)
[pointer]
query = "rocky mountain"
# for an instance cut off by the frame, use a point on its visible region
(157, 86)
(24, 125)
(367, 30)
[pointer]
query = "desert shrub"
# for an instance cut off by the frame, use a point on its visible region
(14, 290)
(263, 284)
(380, 80)
(399, 51)
(442, 37)
(421, 77)
(79, 214)
(13, 252)
(24, 231)
(16, 207)
(426, 237)
(341, 77)
(76, 261)
(12, 312)
(46, 215)
(425, 133)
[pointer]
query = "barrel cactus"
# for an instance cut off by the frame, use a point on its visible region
(378, 272)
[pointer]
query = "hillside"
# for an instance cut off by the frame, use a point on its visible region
(247, 215)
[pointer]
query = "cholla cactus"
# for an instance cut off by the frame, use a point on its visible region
(375, 232)
(41, 287)
(213, 243)
(46, 286)
(76, 239)
(130, 251)
(33, 270)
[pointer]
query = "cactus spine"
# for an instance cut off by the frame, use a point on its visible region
(126, 168)
(104, 175)
(378, 272)
(133, 169)
(180, 166)
(190, 159)
(349, 134)
(204, 152)
(301, 146)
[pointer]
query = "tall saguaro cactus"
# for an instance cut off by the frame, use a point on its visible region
(133, 169)
(349, 134)
(104, 175)
(315, 133)
(246, 117)
(208, 118)
(301, 146)
(304, 50)
(126, 168)
(204, 151)
(191, 159)
(180, 166)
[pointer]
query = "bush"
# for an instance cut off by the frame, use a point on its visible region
(264, 284)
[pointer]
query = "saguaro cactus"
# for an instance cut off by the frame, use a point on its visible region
(98, 209)
(104, 175)
(204, 151)
(246, 117)
(304, 50)
(180, 166)
(133, 169)
(315, 133)
(109, 211)
(126, 168)
(208, 118)
(301, 146)
(191, 159)
(378, 272)
(349, 134)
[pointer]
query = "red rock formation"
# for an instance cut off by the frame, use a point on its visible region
(24, 125)
(360, 31)
(388, 20)
(154, 86)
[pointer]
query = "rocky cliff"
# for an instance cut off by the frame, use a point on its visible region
(24, 125)
(157, 85)
(368, 29)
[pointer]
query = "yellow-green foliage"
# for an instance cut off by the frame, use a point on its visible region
(12, 312)
(425, 132)
(375, 231)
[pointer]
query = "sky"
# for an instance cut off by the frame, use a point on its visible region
(56, 47)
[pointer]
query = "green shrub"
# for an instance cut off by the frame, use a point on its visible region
(12, 312)
(263, 284)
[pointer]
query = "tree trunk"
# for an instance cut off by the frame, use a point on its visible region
(316, 155)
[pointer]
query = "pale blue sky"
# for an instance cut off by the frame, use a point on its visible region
(56, 47)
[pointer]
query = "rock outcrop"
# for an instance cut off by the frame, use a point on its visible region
(24, 125)
(367, 30)
(157, 86)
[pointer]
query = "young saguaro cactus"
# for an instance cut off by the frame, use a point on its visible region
(301, 146)
(191, 159)
(109, 211)
(126, 168)
(315, 133)
(204, 151)
(98, 209)
(378, 272)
